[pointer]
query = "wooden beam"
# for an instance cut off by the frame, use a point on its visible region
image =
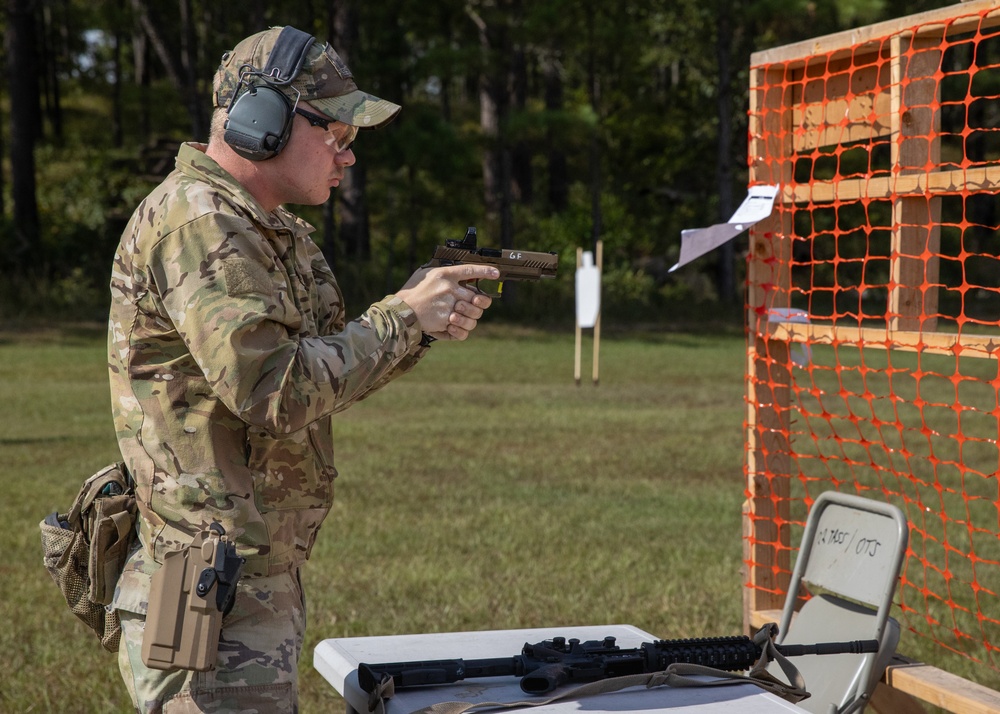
(869, 38)
(886, 700)
(941, 689)
(766, 544)
(916, 224)
(941, 343)
(759, 618)
(770, 129)
(844, 105)
(982, 178)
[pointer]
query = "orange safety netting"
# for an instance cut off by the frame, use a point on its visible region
(874, 307)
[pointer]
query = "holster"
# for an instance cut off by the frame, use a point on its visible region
(188, 597)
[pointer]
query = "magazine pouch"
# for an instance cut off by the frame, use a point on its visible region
(85, 549)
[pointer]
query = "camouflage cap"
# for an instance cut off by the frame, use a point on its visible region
(324, 81)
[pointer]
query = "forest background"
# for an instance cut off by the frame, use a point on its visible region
(548, 124)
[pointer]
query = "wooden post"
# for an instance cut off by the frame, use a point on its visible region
(598, 261)
(579, 330)
(766, 545)
(597, 322)
(916, 149)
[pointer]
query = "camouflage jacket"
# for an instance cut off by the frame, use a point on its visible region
(228, 352)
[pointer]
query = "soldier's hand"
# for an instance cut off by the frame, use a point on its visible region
(445, 305)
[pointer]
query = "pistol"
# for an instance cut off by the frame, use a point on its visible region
(190, 593)
(513, 264)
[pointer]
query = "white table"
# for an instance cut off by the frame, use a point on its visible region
(337, 660)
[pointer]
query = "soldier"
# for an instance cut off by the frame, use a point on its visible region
(230, 349)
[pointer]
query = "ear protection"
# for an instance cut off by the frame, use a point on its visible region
(259, 114)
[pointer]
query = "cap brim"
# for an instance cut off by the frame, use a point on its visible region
(357, 108)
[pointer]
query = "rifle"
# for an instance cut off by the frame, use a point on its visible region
(513, 264)
(548, 664)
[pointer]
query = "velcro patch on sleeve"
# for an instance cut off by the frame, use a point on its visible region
(246, 277)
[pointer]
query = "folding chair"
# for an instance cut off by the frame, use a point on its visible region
(850, 558)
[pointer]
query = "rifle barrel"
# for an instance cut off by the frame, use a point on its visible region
(440, 671)
(828, 648)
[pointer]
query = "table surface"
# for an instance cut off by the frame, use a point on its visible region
(337, 660)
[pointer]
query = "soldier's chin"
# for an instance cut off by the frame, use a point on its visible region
(318, 200)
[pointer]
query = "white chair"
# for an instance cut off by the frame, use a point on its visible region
(850, 558)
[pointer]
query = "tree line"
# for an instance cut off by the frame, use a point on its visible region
(548, 124)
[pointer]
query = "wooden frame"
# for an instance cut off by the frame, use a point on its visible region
(875, 81)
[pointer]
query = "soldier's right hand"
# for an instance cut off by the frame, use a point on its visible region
(446, 306)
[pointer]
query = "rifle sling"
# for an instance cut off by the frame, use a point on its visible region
(675, 675)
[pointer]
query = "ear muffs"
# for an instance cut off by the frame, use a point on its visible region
(259, 123)
(259, 118)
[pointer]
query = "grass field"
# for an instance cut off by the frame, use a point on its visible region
(483, 491)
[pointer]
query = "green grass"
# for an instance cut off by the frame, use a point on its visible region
(483, 491)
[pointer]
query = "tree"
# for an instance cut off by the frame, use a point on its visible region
(725, 41)
(632, 115)
(594, 77)
(558, 174)
(354, 229)
(52, 55)
(25, 127)
(492, 23)
(180, 67)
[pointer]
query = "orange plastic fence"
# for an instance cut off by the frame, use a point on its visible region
(873, 306)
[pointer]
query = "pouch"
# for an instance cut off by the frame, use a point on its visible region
(85, 549)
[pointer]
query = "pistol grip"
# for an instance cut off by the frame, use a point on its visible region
(544, 679)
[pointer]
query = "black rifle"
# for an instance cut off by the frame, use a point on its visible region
(548, 664)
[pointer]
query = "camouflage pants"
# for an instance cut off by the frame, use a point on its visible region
(257, 668)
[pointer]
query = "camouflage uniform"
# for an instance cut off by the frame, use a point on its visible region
(229, 350)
